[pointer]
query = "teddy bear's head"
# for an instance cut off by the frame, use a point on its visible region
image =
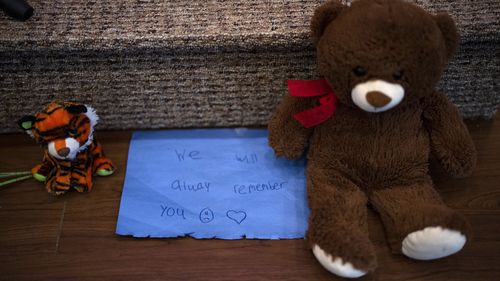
(63, 128)
(380, 54)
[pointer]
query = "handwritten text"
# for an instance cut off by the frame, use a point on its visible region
(259, 187)
(196, 186)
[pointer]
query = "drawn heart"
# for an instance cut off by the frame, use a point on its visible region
(237, 216)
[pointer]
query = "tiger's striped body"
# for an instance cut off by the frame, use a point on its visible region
(63, 175)
(71, 154)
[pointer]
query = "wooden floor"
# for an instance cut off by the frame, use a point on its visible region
(72, 237)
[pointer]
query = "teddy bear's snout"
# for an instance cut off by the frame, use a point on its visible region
(377, 99)
(64, 148)
(377, 95)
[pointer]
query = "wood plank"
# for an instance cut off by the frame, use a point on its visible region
(30, 219)
(88, 249)
(95, 252)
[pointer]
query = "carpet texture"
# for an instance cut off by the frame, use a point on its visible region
(165, 64)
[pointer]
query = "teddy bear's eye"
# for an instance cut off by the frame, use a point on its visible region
(359, 71)
(72, 132)
(398, 75)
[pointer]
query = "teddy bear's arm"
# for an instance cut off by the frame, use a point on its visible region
(41, 171)
(101, 164)
(450, 139)
(286, 135)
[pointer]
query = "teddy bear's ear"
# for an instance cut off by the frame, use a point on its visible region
(449, 32)
(76, 109)
(26, 123)
(323, 15)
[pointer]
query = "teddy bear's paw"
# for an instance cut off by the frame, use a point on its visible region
(39, 177)
(103, 167)
(37, 173)
(288, 151)
(432, 243)
(336, 265)
(54, 190)
(57, 193)
(460, 166)
(105, 172)
(287, 145)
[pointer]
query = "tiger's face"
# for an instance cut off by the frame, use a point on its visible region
(63, 128)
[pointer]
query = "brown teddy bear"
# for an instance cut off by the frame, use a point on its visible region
(383, 59)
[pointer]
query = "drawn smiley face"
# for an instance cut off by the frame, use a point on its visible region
(206, 215)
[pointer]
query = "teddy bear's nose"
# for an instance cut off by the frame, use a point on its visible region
(377, 99)
(63, 152)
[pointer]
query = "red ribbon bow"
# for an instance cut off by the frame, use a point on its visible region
(314, 88)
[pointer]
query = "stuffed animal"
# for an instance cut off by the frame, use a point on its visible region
(382, 59)
(71, 154)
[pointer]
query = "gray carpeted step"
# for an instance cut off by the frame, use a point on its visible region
(160, 64)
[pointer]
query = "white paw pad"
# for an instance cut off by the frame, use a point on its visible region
(336, 265)
(432, 243)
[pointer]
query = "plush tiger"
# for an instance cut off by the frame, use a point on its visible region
(71, 154)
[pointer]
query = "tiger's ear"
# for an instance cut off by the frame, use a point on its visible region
(323, 15)
(26, 123)
(76, 109)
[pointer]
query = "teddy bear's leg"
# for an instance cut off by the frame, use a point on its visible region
(82, 178)
(58, 182)
(101, 165)
(418, 223)
(338, 230)
(82, 172)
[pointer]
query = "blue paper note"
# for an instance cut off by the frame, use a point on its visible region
(211, 183)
